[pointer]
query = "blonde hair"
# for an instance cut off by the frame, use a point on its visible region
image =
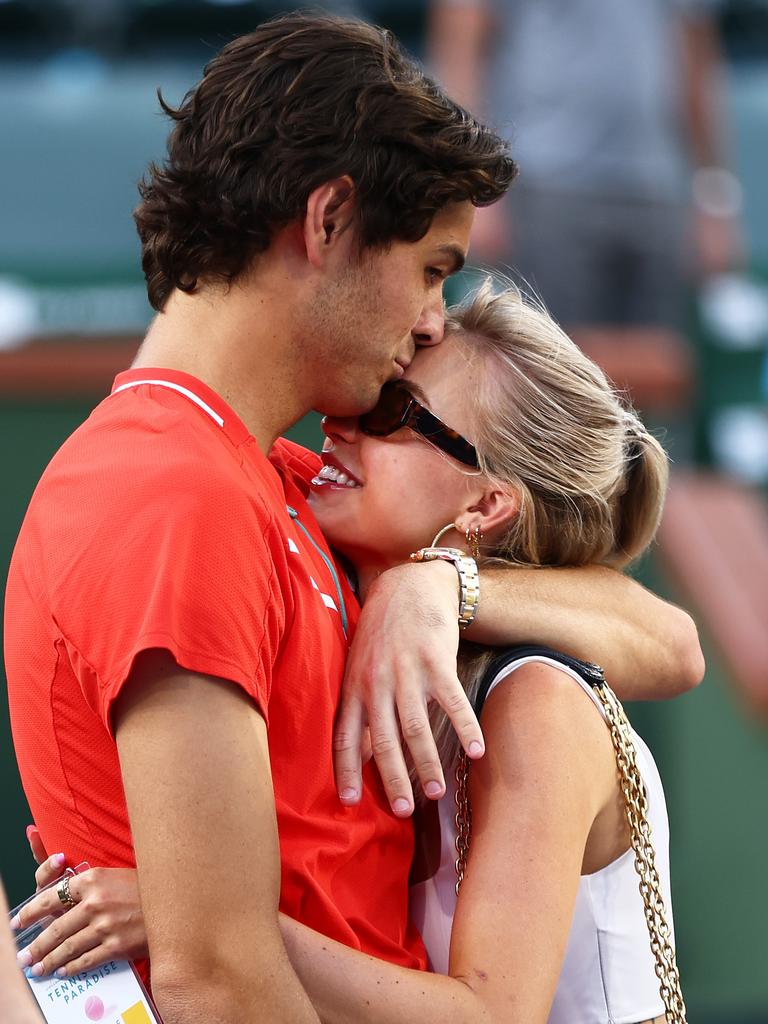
(548, 424)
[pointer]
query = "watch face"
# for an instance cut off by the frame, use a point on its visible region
(454, 555)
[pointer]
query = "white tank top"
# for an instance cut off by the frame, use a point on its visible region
(608, 974)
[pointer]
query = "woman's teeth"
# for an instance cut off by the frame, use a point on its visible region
(330, 474)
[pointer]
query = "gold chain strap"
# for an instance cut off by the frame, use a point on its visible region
(636, 806)
(463, 818)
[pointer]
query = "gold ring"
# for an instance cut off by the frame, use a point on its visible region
(65, 896)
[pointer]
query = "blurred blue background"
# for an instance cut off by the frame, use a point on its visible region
(79, 121)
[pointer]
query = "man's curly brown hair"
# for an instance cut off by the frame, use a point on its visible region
(304, 99)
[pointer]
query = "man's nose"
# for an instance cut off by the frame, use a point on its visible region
(430, 327)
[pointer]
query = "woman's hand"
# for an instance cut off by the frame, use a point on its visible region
(107, 923)
(402, 658)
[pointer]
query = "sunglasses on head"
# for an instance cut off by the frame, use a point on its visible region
(398, 408)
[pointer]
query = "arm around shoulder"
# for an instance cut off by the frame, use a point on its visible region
(195, 765)
(687, 665)
(648, 647)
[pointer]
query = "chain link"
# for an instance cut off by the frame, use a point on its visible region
(463, 818)
(636, 806)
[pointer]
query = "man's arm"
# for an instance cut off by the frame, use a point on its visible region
(404, 656)
(648, 647)
(195, 764)
(460, 37)
(458, 34)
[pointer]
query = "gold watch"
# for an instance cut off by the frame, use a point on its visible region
(469, 578)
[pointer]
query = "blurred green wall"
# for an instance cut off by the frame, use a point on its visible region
(713, 757)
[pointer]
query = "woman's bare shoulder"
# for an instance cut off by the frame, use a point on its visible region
(542, 728)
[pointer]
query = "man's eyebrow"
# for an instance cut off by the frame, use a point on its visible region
(456, 256)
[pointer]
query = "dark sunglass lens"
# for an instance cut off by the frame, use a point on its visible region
(387, 415)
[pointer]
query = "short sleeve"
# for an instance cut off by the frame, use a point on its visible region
(179, 557)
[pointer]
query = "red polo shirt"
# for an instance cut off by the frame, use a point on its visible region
(159, 523)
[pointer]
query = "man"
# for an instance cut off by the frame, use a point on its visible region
(175, 627)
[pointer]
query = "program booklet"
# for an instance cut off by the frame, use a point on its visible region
(110, 994)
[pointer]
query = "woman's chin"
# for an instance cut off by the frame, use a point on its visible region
(328, 518)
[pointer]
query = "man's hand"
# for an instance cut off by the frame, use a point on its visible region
(402, 658)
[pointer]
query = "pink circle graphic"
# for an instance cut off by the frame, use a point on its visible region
(94, 1008)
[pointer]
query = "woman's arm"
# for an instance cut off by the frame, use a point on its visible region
(347, 987)
(548, 772)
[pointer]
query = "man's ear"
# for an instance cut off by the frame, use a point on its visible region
(330, 213)
(492, 511)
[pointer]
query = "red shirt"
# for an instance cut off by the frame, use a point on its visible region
(159, 523)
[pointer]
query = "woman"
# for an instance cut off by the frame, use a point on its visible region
(514, 444)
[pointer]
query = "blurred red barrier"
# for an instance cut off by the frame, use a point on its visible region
(714, 540)
(65, 368)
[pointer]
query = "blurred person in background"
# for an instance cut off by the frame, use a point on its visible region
(624, 196)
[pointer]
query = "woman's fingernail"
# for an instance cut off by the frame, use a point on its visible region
(58, 860)
(15, 923)
(401, 806)
(61, 973)
(433, 789)
(348, 794)
(36, 970)
(30, 830)
(475, 749)
(24, 958)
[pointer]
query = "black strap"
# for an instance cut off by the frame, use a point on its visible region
(591, 674)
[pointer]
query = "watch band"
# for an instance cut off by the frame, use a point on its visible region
(469, 578)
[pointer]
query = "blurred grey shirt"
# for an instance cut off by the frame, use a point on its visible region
(590, 92)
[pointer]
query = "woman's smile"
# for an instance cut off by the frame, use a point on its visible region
(335, 475)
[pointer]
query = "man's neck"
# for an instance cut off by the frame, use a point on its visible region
(240, 347)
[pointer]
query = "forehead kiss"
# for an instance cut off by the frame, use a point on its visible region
(431, 401)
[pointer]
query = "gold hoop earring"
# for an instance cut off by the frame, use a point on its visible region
(474, 535)
(441, 533)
